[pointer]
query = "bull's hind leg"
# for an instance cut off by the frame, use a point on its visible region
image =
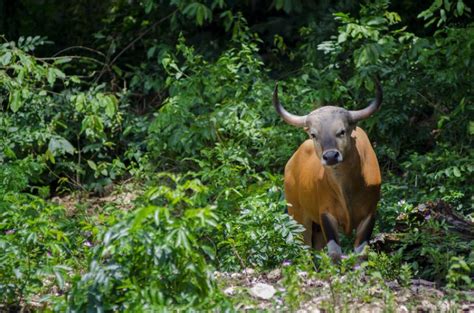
(363, 233)
(308, 232)
(318, 242)
(330, 230)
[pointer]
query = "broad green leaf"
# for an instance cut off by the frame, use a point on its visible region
(142, 214)
(15, 100)
(92, 164)
(59, 278)
(456, 171)
(151, 52)
(61, 145)
(59, 73)
(110, 106)
(51, 76)
(6, 58)
(62, 60)
(460, 7)
(342, 37)
(378, 20)
(190, 9)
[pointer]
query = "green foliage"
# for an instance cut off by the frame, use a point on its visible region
(209, 94)
(17, 174)
(41, 246)
(429, 247)
(58, 132)
(233, 139)
(262, 236)
(155, 258)
(134, 98)
(453, 168)
(293, 283)
(441, 11)
(388, 267)
(460, 273)
(350, 282)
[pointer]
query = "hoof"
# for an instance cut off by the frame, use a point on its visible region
(362, 253)
(334, 251)
(335, 257)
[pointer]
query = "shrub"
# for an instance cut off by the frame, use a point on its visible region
(57, 122)
(262, 236)
(155, 258)
(41, 246)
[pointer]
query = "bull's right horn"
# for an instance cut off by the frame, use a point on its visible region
(373, 106)
(295, 120)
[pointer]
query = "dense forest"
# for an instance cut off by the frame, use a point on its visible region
(142, 160)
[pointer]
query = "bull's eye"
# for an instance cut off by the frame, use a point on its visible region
(341, 133)
(313, 135)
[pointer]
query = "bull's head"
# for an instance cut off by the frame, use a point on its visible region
(330, 127)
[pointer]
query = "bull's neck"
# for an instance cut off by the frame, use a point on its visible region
(345, 179)
(346, 176)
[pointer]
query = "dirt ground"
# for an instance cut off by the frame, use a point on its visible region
(250, 291)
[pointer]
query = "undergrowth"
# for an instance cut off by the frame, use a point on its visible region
(209, 160)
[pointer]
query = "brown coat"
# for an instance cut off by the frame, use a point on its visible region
(349, 192)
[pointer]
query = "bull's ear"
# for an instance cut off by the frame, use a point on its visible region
(352, 126)
(306, 128)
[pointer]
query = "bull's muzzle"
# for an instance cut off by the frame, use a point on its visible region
(331, 157)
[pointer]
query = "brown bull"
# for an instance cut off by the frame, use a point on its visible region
(333, 179)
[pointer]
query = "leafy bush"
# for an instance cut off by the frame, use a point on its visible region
(262, 236)
(155, 258)
(350, 282)
(67, 134)
(41, 246)
(217, 105)
(429, 247)
(452, 168)
(460, 273)
(388, 267)
(17, 175)
(131, 105)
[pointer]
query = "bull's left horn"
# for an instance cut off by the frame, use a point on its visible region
(295, 120)
(373, 106)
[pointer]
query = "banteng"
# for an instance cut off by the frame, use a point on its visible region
(333, 179)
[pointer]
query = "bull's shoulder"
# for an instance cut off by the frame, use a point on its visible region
(304, 182)
(304, 162)
(363, 145)
(307, 148)
(359, 133)
(369, 163)
(304, 153)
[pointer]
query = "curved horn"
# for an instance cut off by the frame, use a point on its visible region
(373, 106)
(295, 120)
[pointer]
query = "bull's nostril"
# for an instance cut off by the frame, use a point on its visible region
(332, 157)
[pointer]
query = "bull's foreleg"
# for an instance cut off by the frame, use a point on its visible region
(330, 230)
(363, 233)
